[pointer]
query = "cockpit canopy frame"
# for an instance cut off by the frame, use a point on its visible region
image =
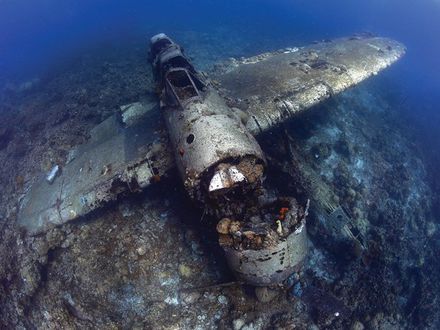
(182, 87)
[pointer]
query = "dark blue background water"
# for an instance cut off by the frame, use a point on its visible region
(34, 34)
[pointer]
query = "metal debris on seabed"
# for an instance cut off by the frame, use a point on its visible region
(52, 174)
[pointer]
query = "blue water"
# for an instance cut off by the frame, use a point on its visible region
(34, 34)
(34, 31)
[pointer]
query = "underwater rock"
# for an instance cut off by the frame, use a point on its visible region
(265, 294)
(321, 151)
(344, 148)
(133, 112)
(238, 324)
(141, 250)
(185, 271)
(190, 297)
(357, 325)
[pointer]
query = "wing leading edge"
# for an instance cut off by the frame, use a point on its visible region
(273, 87)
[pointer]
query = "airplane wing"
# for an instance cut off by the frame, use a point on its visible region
(274, 86)
(125, 153)
(129, 151)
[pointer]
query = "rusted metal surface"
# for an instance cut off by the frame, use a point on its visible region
(128, 154)
(204, 135)
(208, 140)
(273, 87)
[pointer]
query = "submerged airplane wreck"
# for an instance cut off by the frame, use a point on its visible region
(211, 126)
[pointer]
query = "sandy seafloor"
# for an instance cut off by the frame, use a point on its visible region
(148, 261)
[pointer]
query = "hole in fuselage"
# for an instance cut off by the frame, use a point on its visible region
(190, 139)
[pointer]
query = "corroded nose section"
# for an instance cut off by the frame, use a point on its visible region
(216, 155)
(265, 251)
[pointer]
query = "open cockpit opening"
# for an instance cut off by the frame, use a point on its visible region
(183, 85)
